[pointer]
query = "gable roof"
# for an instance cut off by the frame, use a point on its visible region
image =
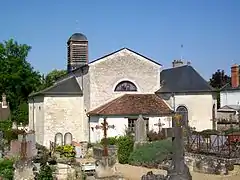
(67, 86)
(134, 104)
(183, 79)
(122, 50)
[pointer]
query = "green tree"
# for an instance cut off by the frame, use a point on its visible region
(52, 77)
(218, 80)
(17, 77)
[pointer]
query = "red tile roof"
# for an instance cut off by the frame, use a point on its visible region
(134, 104)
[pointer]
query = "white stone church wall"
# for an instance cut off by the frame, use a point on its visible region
(36, 117)
(199, 109)
(64, 114)
(121, 124)
(124, 65)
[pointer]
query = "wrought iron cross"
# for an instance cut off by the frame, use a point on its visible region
(104, 126)
(159, 124)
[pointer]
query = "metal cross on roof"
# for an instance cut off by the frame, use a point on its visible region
(104, 126)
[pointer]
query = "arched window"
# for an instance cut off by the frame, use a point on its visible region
(68, 138)
(125, 86)
(59, 139)
(182, 110)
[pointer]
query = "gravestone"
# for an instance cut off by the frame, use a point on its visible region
(68, 139)
(78, 150)
(59, 139)
(140, 130)
(31, 144)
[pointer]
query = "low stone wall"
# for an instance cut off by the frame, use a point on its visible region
(112, 153)
(210, 164)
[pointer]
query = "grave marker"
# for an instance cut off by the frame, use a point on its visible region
(140, 130)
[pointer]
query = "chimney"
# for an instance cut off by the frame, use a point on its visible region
(235, 75)
(177, 63)
(4, 100)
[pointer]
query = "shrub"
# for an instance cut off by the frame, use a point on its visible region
(151, 154)
(110, 141)
(6, 169)
(66, 151)
(125, 147)
(155, 136)
(45, 173)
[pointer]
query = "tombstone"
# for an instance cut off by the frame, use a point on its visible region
(140, 130)
(78, 150)
(68, 139)
(59, 139)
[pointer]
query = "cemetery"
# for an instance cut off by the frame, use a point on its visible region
(177, 154)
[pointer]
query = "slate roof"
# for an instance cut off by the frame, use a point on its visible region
(183, 79)
(67, 86)
(134, 104)
(230, 108)
(228, 87)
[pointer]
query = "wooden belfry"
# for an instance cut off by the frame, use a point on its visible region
(104, 126)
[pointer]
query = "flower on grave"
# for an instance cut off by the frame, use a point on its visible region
(178, 118)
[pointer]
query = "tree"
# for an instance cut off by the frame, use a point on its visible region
(17, 77)
(52, 77)
(218, 80)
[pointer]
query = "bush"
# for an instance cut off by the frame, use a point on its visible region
(45, 173)
(110, 141)
(151, 154)
(125, 147)
(6, 169)
(155, 136)
(66, 151)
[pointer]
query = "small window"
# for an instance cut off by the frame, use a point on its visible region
(59, 139)
(125, 86)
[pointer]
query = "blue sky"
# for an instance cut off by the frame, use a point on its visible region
(208, 29)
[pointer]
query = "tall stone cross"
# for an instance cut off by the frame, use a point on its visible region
(179, 170)
(104, 126)
(159, 125)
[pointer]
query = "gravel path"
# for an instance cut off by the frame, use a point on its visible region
(135, 173)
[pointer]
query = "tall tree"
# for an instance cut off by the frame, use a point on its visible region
(52, 77)
(218, 80)
(17, 77)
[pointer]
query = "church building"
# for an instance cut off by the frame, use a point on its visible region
(119, 86)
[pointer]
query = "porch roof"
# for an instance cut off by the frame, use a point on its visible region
(134, 104)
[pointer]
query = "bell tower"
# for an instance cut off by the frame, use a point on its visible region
(77, 51)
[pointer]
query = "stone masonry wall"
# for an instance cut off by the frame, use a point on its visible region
(64, 114)
(106, 73)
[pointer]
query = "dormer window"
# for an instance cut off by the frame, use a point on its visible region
(125, 86)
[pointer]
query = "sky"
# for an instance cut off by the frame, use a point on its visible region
(209, 30)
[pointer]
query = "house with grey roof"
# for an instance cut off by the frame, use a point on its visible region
(230, 93)
(188, 93)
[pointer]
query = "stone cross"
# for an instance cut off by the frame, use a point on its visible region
(104, 126)
(140, 130)
(179, 169)
(159, 124)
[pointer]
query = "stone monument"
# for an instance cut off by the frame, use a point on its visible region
(178, 169)
(140, 131)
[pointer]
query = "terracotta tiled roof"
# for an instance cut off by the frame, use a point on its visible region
(134, 104)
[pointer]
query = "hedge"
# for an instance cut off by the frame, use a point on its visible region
(6, 169)
(125, 147)
(151, 154)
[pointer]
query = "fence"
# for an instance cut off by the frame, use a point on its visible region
(227, 146)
